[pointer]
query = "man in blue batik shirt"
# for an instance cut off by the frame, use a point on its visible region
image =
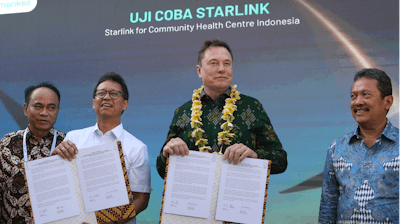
(361, 175)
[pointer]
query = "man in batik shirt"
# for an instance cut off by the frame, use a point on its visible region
(361, 175)
(220, 119)
(42, 104)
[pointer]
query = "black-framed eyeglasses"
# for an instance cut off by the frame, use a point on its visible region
(100, 94)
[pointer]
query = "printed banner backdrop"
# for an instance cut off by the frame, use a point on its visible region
(298, 58)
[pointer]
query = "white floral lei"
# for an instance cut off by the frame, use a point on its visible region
(227, 115)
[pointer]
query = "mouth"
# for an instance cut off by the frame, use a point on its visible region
(360, 110)
(106, 105)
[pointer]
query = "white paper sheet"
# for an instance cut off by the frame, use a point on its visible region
(101, 177)
(242, 191)
(51, 189)
(189, 184)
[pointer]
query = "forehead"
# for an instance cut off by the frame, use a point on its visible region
(365, 84)
(217, 53)
(109, 85)
(44, 95)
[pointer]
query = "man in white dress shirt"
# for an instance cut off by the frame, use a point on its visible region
(110, 99)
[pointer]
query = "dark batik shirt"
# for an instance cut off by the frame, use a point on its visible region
(361, 183)
(14, 199)
(252, 128)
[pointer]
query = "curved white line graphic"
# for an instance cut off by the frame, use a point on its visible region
(361, 59)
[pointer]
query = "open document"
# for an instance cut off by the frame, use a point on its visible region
(51, 189)
(203, 188)
(242, 191)
(91, 188)
(189, 186)
(101, 178)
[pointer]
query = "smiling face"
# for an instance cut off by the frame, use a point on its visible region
(215, 70)
(42, 110)
(367, 105)
(107, 107)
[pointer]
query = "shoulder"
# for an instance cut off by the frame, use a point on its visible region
(391, 132)
(132, 141)
(79, 133)
(341, 143)
(248, 100)
(184, 107)
(11, 137)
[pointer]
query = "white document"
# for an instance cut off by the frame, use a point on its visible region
(101, 177)
(189, 184)
(51, 189)
(242, 191)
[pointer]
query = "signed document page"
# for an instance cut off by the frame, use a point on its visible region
(101, 177)
(51, 189)
(189, 184)
(242, 191)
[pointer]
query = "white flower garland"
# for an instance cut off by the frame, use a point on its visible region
(227, 115)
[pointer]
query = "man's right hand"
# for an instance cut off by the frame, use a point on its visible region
(175, 146)
(66, 150)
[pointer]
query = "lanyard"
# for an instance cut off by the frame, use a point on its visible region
(53, 145)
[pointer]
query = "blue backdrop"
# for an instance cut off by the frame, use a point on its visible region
(301, 73)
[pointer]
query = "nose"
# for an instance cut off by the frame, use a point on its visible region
(44, 112)
(221, 68)
(107, 95)
(358, 100)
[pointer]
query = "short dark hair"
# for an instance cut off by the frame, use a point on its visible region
(116, 78)
(384, 84)
(211, 43)
(28, 91)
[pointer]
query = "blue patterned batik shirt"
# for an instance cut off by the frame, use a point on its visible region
(361, 184)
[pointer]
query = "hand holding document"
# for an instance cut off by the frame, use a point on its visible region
(51, 189)
(203, 187)
(101, 178)
(242, 190)
(56, 192)
(190, 184)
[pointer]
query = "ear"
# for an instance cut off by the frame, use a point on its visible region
(93, 104)
(126, 103)
(198, 69)
(388, 101)
(25, 107)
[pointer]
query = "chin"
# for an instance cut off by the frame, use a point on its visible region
(361, 121)
(44, 128)
(223, 86)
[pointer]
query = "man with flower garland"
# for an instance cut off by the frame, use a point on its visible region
(220, 119)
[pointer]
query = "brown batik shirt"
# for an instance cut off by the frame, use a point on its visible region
(14, 205)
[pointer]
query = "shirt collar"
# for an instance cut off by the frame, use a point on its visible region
(117, 131)
(224, 95)
(388, 132)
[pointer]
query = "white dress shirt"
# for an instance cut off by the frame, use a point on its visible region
(135, 153)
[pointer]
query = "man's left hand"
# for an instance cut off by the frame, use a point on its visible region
(238, 152)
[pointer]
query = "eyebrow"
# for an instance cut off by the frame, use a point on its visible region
(109, 90)
(50, 104)
(362, 90)
(223, 60)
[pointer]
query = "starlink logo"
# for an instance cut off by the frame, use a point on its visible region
(16, 6)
